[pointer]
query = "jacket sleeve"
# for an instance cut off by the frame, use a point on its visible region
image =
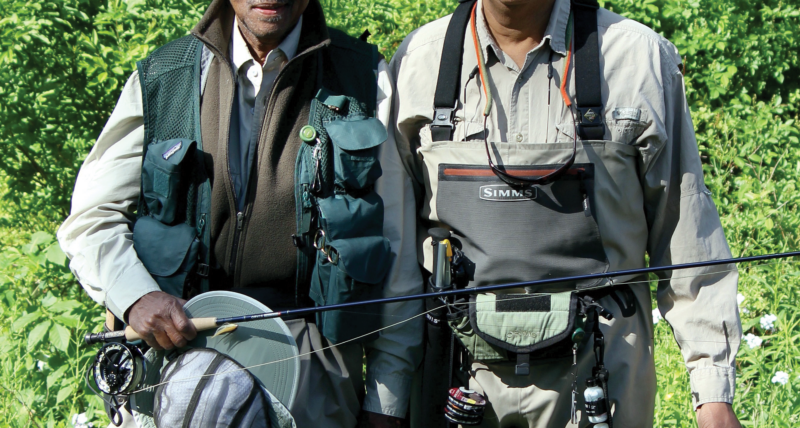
(97, 234)
(393, 358)
(699, 304)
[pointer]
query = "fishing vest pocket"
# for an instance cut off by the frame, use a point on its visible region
(355, 151)
(350, 270)
(352, 260)
(541, 325)
(169, 253)
(532, 232)
(166, 173)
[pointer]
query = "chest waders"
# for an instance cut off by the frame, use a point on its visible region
(549, 230)
(342, 255)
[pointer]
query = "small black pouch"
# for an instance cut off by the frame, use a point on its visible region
(168, 252)
(166, 172)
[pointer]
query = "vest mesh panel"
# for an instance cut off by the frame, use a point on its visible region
(168, 78)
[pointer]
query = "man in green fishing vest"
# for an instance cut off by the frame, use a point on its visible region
(553, 139)
(252, 156)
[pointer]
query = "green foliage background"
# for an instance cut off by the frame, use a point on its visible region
(63, 64)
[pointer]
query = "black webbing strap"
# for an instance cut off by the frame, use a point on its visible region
(198, 390)
(444, 101)
(587, 70)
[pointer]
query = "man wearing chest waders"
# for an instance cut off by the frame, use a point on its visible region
(252, 156)
(552, 138)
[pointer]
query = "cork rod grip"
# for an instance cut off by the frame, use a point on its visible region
(201, 324)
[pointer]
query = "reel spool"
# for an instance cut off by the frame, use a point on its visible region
(118, 369)
(464, 406)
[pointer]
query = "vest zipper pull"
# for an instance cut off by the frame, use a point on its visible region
(239, 220)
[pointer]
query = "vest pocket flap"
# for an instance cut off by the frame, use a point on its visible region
(364, 259)
(359, 134)
(523, 323)
(161, 248)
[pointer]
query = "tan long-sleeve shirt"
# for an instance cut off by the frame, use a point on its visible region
(653, 201)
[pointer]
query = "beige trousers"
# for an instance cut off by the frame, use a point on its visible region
(331, 384)
(543, 398)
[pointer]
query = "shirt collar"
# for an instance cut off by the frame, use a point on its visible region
(555, 32)
(240, 52)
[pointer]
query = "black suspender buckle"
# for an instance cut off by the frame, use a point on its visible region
(590, 123)
(443, 125)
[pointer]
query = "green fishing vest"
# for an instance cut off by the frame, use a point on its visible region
(342, 255)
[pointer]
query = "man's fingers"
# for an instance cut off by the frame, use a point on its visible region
(163, 340)
(182, 324)
(150, 340)
(175, 336)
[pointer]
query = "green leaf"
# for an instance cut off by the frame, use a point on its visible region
(24, 320)
(64, 393)
(55, 255)
(64, 306)
(56, 376)
(59, 337)
(40, 238)
(67, 321)
(37, 334)
(49, 300)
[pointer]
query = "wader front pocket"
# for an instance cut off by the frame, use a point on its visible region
(350, 270)
(165, 174)
(541, 325)
(168, 252)
(355, 151)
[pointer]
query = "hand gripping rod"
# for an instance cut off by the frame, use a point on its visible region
(209, 323)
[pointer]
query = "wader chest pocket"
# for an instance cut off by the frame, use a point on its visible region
(169, 253)
(355, 151)
(166, 172)
(513, 233)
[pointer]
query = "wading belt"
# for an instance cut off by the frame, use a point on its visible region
(588, 101)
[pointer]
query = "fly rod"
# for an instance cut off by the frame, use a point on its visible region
(229, 324)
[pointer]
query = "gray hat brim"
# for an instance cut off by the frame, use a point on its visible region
(256, 343)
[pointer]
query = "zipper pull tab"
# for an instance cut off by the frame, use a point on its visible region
(239, 220)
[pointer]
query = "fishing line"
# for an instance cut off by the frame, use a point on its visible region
(519, 297)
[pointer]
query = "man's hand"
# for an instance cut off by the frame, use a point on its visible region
(376, 420)
(717, 415)
(159, 319)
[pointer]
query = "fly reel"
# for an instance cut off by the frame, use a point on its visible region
(118, 369)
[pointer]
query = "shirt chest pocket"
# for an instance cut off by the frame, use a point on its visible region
(624, 125)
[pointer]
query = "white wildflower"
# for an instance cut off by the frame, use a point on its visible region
(81, 421)
(768, 322)
(752, 340)
(40, 365)
(656, 316)
(781, 378)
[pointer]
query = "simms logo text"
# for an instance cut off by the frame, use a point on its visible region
(503, 193)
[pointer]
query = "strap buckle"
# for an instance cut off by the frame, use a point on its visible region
(443, 116)
(590, 123)
(203, 270)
